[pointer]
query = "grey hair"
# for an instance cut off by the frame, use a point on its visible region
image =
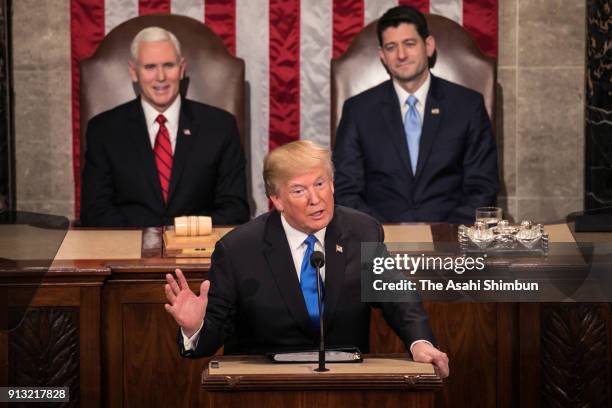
(153, 34)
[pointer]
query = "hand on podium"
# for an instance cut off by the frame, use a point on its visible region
(423, 352)
(187, 309)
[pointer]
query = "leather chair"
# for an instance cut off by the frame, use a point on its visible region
(213, 76)
(458, 59)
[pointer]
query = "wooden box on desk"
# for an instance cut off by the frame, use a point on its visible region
(191, 247)
(200, 246)
(381, 380)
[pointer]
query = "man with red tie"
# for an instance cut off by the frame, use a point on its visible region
(160, 155)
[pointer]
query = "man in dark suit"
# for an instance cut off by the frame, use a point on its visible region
(161, 156)
(262, 297)
(415, 148)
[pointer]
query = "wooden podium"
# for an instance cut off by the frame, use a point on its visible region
(381, 380)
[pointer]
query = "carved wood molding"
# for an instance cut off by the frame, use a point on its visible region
(44, 350)
(574, 367)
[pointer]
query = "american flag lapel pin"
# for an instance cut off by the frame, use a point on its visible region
(338, 248)
(187, 132)
(435, 111)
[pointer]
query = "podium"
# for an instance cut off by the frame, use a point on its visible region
(388, 380)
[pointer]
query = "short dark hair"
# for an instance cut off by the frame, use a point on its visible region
(402, 14)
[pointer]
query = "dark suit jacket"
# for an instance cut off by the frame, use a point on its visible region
(120, 180)
(457, 166)
(255, 303)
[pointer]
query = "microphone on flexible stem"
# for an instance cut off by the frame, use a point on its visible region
(317, 260)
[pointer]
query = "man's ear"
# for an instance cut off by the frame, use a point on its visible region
(277, 202)
(133, 72)
(381, 55)
(430, 45)
(182, 67)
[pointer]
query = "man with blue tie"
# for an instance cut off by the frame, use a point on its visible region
(263, 294)
(415, 148)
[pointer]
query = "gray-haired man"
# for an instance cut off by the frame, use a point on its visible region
(160, 155)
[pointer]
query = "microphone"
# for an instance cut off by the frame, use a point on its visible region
(317, 260)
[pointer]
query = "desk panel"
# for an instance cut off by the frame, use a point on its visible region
(124, 343)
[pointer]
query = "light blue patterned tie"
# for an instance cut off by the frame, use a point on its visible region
(308, 282)
(412, 127)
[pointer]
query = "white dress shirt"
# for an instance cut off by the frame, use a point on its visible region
(172, 120)
(298, 247)
(420, 94)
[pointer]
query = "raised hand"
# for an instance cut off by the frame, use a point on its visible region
(187, 309)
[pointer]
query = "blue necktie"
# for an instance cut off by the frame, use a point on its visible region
(412, 127)
(308, 282)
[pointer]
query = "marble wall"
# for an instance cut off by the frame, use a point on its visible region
(598, 121)
(540, 107)
(7, 187)
(43, 129)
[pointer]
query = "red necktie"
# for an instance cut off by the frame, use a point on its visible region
(163, 156)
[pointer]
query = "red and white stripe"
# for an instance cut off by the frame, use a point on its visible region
(252, 36)
(287, 46)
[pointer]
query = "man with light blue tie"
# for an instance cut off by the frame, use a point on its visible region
(412, 127)
(263, 295)
(416, 148)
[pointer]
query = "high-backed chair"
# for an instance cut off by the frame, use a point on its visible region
(458, 60)
(213, 75)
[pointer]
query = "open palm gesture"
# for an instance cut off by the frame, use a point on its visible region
(186, 307)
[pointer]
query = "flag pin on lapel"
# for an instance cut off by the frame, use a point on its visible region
(338, 248)
(187, 132)
(435, 111)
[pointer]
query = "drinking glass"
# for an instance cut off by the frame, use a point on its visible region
(489, 215)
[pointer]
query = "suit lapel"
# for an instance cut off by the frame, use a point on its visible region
(393, 120)
(278, 256)
(335, 263)
(139, 134)
(431, 123)
(187, 131)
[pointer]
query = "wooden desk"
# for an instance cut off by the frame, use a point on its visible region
(58, 341)
(119, 344)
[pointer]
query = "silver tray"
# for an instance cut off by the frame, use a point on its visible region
(504, 238)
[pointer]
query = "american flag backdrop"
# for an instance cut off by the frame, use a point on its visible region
(286, 45)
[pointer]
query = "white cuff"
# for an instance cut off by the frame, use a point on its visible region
(419, 341)
(190, 343)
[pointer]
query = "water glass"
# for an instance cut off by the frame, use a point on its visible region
(489, 215)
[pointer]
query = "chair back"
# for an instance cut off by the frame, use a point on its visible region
(213, 75)
(458, 59)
